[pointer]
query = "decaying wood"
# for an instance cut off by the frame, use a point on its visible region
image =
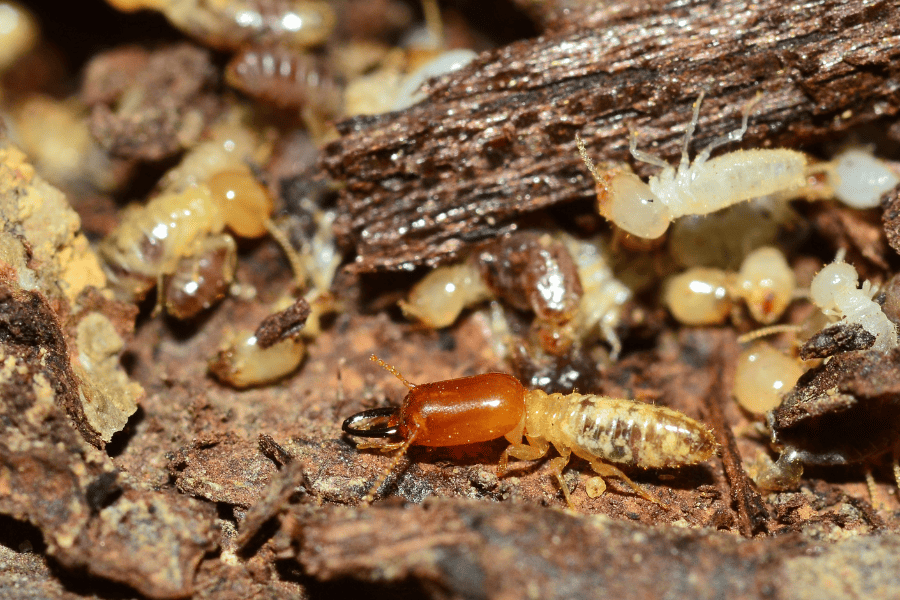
(752, 515)
(457, 549)
(496, 139)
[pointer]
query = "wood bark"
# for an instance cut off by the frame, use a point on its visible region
(495, 140)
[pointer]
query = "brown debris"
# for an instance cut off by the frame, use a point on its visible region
(222, 468)
(151, 541)
(457, 549)
(284, 324)
(840, 337)
(496, 139)
(891, 218)
(858, 232)
(154, 107)
(843, 411)
(49, 477)
(751, 510)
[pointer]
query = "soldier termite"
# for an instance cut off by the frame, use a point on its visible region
(704, 186)
(484, 407)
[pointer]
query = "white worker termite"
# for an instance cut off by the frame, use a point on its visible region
(704, 186)
(836, 292)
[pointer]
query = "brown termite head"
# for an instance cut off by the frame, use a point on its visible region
(704, 186)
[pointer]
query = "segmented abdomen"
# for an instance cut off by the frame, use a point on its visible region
(634, 433)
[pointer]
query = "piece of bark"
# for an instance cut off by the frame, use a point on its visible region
(477, 550)
(283, 325)
(496, 139)
(222, 468)
(152, 112)
(837, 338)
(51, 478)
(891, 218)
(843, 411)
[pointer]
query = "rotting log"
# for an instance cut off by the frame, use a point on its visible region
(496, 140)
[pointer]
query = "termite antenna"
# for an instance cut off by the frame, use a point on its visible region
(300, 274)
(433, 22)
(401, 452)
(840, 255)
(689, 133)
(392, 370)
(766, 331)
(587, 159)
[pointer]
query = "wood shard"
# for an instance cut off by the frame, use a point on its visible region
(496, 139)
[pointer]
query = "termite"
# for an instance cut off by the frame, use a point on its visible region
(706, 296)
(704, 186)
(484, 407)
(230, 25)
(835, 291)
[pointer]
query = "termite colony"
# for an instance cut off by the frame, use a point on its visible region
(545, 292)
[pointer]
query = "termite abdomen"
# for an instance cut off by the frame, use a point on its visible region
(634, 433)
(284, 77)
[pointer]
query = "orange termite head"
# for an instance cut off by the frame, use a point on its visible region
(443, 413)
(446, 413)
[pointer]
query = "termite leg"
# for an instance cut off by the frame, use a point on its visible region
(896, 465)
(734, 136)
(401, 452)
(557, 465)
(689, 133)
(873, 491)
(299, 270)
(595, 486)
(645, 156)
(535, 448)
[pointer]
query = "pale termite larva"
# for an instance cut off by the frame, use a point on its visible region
(704, 186)
(835, 291)
(704, 295)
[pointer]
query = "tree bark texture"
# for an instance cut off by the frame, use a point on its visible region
(496, 140)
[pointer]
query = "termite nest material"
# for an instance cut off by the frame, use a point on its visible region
(842, 412)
